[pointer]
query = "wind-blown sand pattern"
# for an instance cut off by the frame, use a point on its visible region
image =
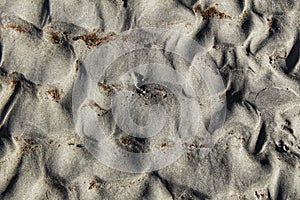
(255, 46)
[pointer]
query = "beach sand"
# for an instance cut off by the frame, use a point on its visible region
(253, 44)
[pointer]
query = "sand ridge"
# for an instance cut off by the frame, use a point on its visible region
(255, 46)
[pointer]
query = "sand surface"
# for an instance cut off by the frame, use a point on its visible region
(243, 108)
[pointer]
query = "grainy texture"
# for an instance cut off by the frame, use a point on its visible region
(255, 45)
